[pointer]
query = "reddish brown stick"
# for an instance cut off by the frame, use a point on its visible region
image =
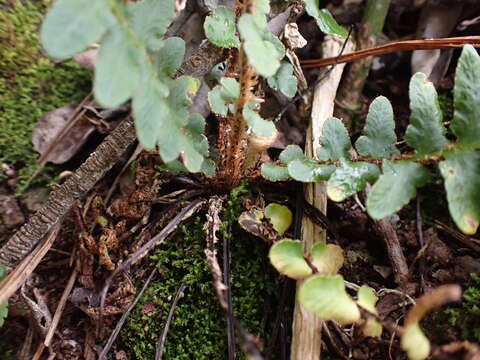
(409, 45)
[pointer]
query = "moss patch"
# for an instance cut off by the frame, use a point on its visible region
(466, 317)
(198, 328)
(459, 321)
(30, 83)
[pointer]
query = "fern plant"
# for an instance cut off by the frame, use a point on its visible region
(323, 292)
(136, 62)
(455, 151)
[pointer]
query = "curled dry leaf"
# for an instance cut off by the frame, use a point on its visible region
(49, 125)
(293, 37)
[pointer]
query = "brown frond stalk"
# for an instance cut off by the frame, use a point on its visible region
(233, 139)
(409, 45)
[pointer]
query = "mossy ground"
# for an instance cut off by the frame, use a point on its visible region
(458, 321)
(30, 83)
(198, 330)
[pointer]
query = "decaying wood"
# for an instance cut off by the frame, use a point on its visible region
(17, 277)
(63, 197)
(247, 341)
(306, 333)
(211, 227)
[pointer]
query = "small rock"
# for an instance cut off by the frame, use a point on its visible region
(10, 211)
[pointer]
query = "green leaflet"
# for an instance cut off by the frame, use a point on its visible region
(395, 187)
(350, 178)
(280, 216)
(465, 123)
(149, 108)
(175, 167)
(367, 300)
(324, 19)
(274, 172)
(220, 28)
(290, 153)
(260, 45)
(425, 132)
(326, 296)
(165, 121)
(379, 140)
(3, 307)
(224, 94)
(72, 25)
(149, 19)
(170, 56)
(117, 70)
(280, 173)
(261, 7)
(260, 126)
(414, 342)
(327, 258)
(287, 257)
(283, 80)
(462, 182)
(334, 141)
(308, 170)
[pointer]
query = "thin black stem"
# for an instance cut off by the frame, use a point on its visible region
(185, 213)
(228, 296)
(279, 318)
(120, 323)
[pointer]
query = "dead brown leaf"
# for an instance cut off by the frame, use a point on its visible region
(49, 125)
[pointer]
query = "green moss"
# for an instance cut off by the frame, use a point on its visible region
(198, 330)
(466, 317)
(30, 83)
(459, 321)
